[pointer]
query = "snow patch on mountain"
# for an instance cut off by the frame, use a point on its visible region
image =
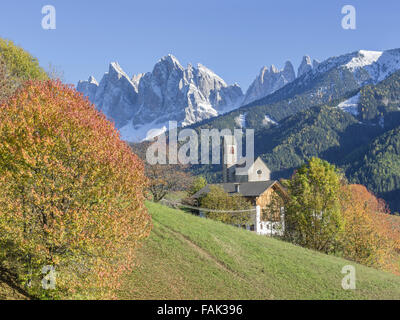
(267, 120)
(387, 63)
(141, 133)
(241, 121)
(350, 105)
(382, 122)
(364, 58)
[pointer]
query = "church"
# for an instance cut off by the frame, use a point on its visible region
(233, 171)
(253, 183)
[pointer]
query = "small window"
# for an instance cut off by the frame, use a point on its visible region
(259, 172)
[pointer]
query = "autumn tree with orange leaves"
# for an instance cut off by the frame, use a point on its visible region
(370, 236)
(71, 193)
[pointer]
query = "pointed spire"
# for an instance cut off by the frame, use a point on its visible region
(93, 80)
(305, 66)
(288, 72)
(273, 69)
(172, 60)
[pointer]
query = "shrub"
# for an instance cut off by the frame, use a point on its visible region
(219, 200)
(199, 183)
(71, 193)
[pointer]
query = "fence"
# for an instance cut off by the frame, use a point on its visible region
(271, 228)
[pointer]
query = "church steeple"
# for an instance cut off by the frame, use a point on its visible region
(229, 156)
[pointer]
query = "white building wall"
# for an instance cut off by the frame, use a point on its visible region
(267, 227)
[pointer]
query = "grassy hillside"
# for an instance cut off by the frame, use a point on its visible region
(187, 257)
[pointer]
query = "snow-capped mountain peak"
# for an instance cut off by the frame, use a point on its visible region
(378, 64)
(93, 80)
(363, 58)
(116, 68)
(115, 73)
(171, 92)
(147, 102)
(268, 81)
(171, 59)
(366, 66)
(209, 73)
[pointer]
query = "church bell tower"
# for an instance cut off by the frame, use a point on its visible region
(229, 156)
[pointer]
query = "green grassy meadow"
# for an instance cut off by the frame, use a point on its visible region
(187, 257)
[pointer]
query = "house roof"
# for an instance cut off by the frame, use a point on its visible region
(247, 189)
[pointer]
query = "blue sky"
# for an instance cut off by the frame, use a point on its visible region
(233, 38)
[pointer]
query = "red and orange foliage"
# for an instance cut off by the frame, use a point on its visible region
(71, 193)
(370, 237)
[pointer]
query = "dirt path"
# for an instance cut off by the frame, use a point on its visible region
(203, 253)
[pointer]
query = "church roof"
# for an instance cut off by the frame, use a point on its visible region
(246, 189)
